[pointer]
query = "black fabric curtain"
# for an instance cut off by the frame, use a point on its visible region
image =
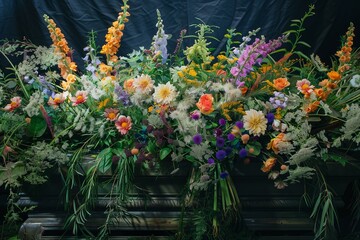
(21, 19)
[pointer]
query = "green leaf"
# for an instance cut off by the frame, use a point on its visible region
(11, 84)
(254, 145)
(105, 160)
(164, 152)
(304, 43)
(300, 54)
(339, 158)
(37, 126)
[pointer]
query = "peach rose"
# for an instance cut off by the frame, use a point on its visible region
(268, 164)
(312, 107)
(274, 143)
(205, 104)
(281, 83)
(128, 85)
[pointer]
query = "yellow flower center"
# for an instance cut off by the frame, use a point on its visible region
(305, 86)
(57, 100)
(164, 93)
(111, 115)
(80, 98)
(143, 83)
(124, 124)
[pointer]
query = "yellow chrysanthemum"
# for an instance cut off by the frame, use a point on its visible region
(164, 93)
(255, 122)
(143, 84)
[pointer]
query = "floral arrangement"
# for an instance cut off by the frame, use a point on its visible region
(258, 101)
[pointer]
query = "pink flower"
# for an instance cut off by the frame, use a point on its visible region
(15, 103)
(304, 86)
(235, 71)
(57, 100)
(111, 114)
(123, 124)
(80, 97)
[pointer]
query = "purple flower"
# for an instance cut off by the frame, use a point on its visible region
(279, 100)
(211, 161)
(221, 154)
(222, 122)
(224, 175)
(243, 153)
(230, 137)
(228, 151)
(220, 142)
(270, 117)
(195, 115)
(217, 132)
(122, 95)
(239, 124)
(197, 139)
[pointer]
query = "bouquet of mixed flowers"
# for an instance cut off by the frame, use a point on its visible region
(259, 100)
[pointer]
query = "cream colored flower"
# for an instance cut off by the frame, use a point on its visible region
(164, 93)
(143, 84)
(255, 122)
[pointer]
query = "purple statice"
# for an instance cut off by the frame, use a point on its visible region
(222, 122)
(243, 153)
(195, 115)
(197, 139)
(253, 54)
(270, 117)
(224, 175)
(211, 161)
(46, 87)
(122, 95)
(279, 100)
(230, 137)
(239, 124)
(221, 154)
(220, 142)
(160, 40)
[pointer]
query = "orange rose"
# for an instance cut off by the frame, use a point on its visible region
(281, 83)
(205, 104)
(268, 164)
(312, 107)
(274, 143)
(335, 76)
(243, 90)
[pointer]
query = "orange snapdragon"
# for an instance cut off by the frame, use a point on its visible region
(65, 64)
(114, 35)
(344, 54)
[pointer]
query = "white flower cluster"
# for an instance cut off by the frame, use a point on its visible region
(36, 100)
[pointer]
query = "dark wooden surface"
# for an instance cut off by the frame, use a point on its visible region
(268, 212)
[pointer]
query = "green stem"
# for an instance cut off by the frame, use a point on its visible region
(17, 76)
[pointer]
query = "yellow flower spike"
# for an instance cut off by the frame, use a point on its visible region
(192, 73)
(180, 74)
(221, 57)
(103, 103)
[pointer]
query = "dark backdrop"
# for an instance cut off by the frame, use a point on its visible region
(76, 18)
